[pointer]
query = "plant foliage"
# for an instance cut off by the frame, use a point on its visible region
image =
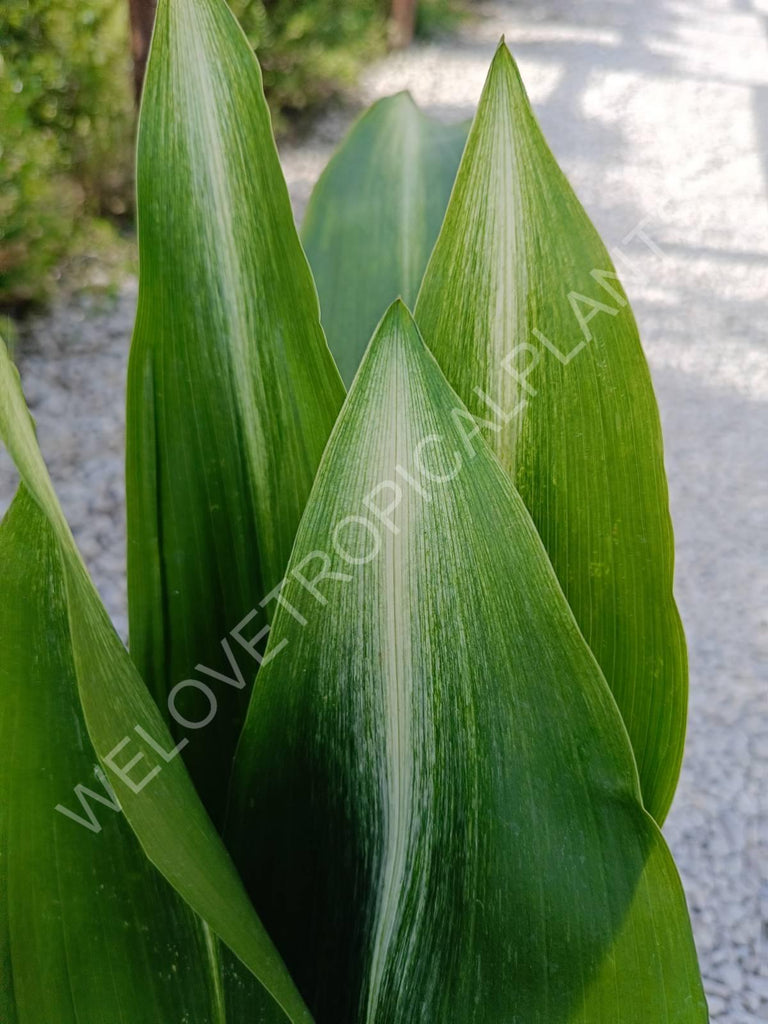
(232, 391)
(121, 718)
(66, 119)
(539, 341)
(456, 776)
(373, 218)
(541, 344)
(435, 811)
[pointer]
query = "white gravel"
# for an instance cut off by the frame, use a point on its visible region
(658, 111)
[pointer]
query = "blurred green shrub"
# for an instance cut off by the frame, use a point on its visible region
(311, 49)
(66, 123)
(67, 118)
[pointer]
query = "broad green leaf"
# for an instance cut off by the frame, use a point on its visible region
(373, 218)
(454, 831)
(521, 307)
(232, 391)
(134, 746)
(82, 910)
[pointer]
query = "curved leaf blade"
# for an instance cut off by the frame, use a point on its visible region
(373, 218)
(232, 391)
(457, 813)
(522, 309)
(165, 811)
(78, 898)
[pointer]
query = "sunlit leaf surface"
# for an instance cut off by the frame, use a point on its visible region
(453, 830)
(232, 391)
(522, 309)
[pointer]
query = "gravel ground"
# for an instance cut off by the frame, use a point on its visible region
(659, 114)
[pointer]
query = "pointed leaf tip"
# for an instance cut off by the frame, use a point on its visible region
(403, 97)
(396, 333)
(216, 237)
(398, 313)
(505, 66)
(373, 218)
(523, 309)
(443, 785)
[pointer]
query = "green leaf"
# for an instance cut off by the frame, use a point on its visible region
(522, 309)
(232, 391)
(453, 830)
(373, 218)
(79, 901)
(132, 743)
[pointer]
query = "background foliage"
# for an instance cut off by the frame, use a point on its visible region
(307, 50)
(67, 117)
(66, 122)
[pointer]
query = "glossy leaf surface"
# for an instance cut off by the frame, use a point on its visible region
(373, 218)
(454, 832)
(132, 743)
(232, 391)
(521, 307)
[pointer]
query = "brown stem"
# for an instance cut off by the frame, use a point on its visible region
(403, 22)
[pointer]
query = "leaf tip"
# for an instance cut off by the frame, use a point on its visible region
(396, 320)
(504, 89)
(403, 110)
(396, 333)
(503, 61)
(404, 97)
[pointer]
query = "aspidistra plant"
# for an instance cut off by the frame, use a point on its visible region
(523, 309)
(438, 800)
